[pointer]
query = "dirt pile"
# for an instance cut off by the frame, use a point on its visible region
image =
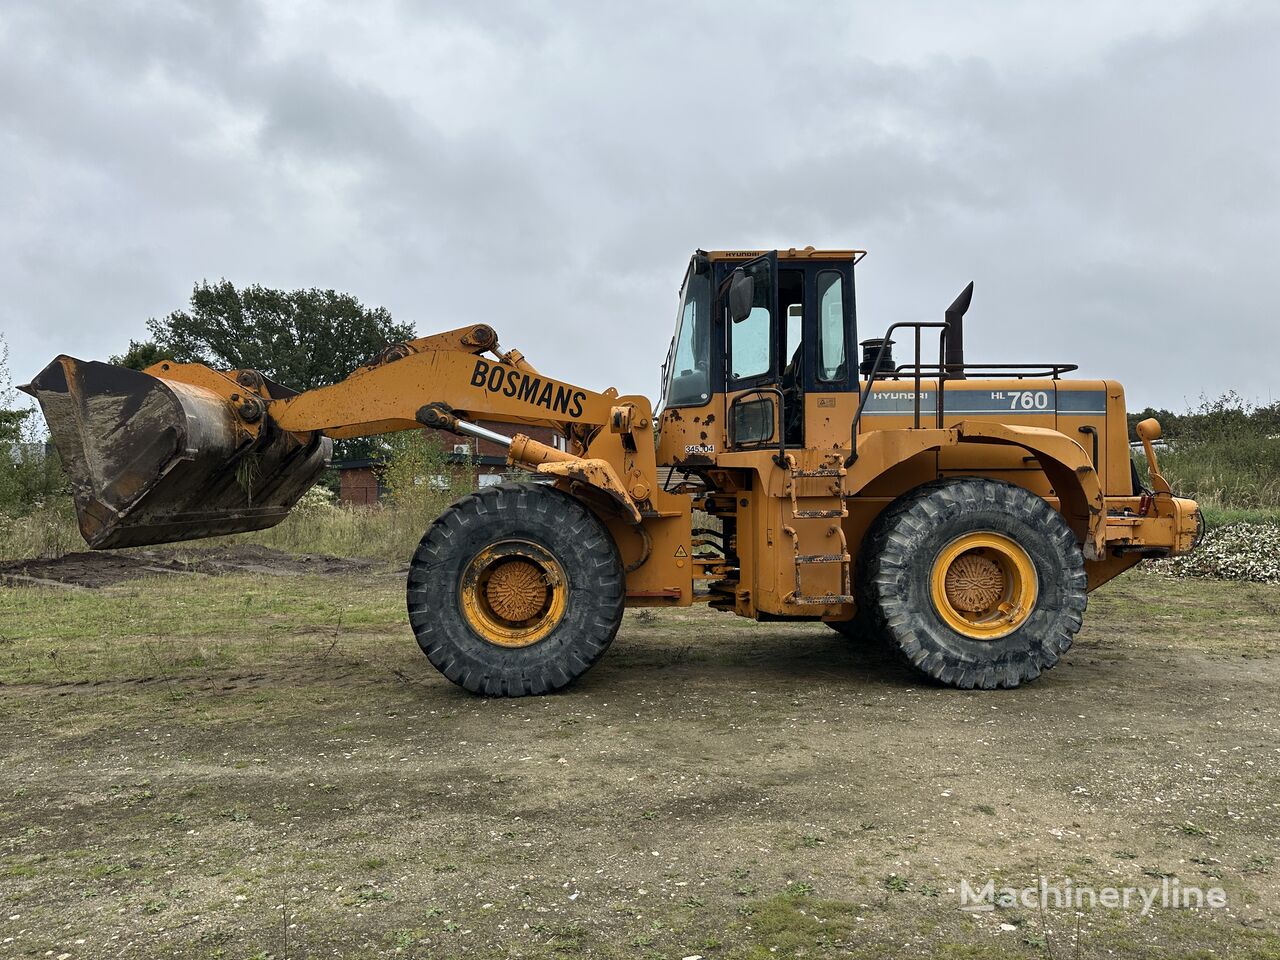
(102, 569)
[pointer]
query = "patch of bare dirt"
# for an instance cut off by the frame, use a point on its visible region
(93, 570)
(212, 682)
(713, 787)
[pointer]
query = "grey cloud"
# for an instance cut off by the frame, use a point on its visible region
(1110, 185)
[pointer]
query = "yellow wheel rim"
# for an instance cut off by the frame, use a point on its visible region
(983, 585)
(513, 593)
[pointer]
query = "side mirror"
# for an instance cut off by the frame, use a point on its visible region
(1147, 431)
(742, 295)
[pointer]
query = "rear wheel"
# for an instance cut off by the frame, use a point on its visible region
(978, 582)
(515, 590)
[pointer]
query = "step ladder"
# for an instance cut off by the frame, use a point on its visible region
(816, 517)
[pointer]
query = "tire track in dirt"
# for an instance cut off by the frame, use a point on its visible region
(346, 675)
(94, 570)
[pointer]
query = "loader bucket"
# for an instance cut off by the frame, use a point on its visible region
(154, 460)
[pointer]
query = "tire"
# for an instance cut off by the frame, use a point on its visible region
(498, 554)
(945, 579)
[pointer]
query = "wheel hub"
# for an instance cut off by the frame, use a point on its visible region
(974, 583)
(513, 593)
(517, 590)
(984, 585)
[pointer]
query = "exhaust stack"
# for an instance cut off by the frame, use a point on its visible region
(953, 362)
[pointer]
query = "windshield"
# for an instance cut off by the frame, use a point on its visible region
(687, 382)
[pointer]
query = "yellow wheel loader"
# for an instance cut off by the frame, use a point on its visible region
(958, 512)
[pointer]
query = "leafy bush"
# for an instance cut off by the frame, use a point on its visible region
(30, 472)
(317, 501)
(418, 475)
(1225, 417)
(1241, 472)
(1224, 453)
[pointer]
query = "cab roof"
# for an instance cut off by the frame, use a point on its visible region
(794, 253)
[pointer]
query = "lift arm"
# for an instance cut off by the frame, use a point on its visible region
(449, 369)
(181, 451)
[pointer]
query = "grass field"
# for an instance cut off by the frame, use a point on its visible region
(262, 764)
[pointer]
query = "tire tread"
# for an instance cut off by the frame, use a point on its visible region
(904, 528)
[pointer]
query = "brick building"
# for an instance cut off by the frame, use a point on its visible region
(359, 482)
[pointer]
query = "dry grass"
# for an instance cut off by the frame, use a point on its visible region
(49, 530)
(382, 532)
(187, 624)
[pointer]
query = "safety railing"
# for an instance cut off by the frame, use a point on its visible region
(942, 370)
(1014, 371)
(917, 326)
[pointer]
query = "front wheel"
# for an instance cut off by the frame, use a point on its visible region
(978, 582)
(517, 589)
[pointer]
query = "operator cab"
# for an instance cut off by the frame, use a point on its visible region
(764, 342)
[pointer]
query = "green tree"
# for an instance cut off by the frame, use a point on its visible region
(141, 355)
(299, 338)
(419, 477)
(11, 422)
(12, 418)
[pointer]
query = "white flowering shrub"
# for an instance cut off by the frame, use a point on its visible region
(1236, 551)
(318, 500)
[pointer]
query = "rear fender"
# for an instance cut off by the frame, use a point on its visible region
(1065, 463)
(1074, 478)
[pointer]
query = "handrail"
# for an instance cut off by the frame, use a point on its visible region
(1053, 370)
(917, 325)
(780, 457)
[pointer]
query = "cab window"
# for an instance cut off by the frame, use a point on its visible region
(831, 345)
(750, 353)
(751, 341)
(688, 376)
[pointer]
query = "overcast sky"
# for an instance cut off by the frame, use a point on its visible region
(1108, 174)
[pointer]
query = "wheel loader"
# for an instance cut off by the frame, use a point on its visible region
(959, 512)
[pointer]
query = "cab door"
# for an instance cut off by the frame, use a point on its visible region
(752, 349)
(790, 364)
(830, 375)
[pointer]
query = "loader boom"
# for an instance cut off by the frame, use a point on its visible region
(442, 381)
